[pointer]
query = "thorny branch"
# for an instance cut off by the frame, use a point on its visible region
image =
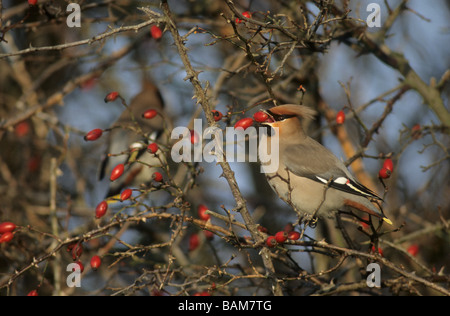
(201, 97)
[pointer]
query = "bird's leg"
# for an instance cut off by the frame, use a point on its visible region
(314, 218)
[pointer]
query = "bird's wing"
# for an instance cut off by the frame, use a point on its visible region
(311, 160)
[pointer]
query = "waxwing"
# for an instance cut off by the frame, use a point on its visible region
(129, 137)
(311, 178)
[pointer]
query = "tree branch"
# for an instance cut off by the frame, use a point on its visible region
(228, 173)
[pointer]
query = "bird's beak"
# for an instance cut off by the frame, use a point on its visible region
(270, 118)
(267, 123)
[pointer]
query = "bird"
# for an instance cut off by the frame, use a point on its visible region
(129, 137)
(310, 178)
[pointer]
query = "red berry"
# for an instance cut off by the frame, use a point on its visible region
(194, 137)
(246, 14)
(152, 148)
(293, 235)
(33, 292)
(288, 228)
(244, 123)
(194, 241)
(112, 96)
(416, 132)
(340, 117)
(77, 250)
(117, 172)
(93, 135)
(202, 212)
(271, 241)
(262, 229)
(34, 163)
(204, 293)
(80, 265)
(413, 250)
(95, 262)
(32, 2)
(22, 129)
(7, 227)
(6, 237)
(157, 176)
(260, 116)
(217, 115)
(389, 165)
(101, 209)
(156, 32)
(126, 194)
(281, 237)
(380, 251)
(384, 173)
(70, 247)
(208, 234)
(149, 114)
(88, 84)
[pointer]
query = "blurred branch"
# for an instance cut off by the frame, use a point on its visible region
(388, 109)
(70, 86)
(57, 272)
(347, 147)
(378, 258)
(374, 43)
(90, 41)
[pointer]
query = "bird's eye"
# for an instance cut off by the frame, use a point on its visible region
(280, 117)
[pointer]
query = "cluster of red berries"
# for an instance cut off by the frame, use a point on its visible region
(116, 173)
(118, 170)
(6, 231)
(246, 122)
(246, 14)
(281, 237)
(76, 250)
(288, 233)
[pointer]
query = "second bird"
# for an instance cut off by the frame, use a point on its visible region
(129, 137)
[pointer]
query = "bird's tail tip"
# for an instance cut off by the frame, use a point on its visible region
(387, 220)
